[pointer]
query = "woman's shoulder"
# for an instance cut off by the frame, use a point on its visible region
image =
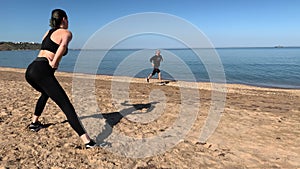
(65, 32)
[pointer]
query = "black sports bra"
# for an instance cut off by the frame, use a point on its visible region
(48, 44)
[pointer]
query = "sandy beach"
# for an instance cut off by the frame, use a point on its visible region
(149, 126)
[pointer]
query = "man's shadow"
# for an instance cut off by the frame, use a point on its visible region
(112, 119)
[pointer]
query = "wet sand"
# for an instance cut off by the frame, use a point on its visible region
(151, 126)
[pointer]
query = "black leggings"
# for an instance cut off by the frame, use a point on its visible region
(40, 75)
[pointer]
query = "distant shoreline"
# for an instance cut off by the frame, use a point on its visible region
(11, 46)
(285, 47)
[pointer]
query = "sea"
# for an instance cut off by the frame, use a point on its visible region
(263, 67)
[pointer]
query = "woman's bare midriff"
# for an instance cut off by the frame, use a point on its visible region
(47, 54)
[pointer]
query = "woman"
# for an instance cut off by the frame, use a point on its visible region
(40, 75)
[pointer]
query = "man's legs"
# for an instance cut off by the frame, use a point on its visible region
(155, 70)
(159, 76)
(151, 74)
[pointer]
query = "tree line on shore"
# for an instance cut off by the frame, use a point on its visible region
(19, 46)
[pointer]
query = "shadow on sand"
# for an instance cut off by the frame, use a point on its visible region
(113, 118)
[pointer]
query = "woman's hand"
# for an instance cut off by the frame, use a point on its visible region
(52, 64)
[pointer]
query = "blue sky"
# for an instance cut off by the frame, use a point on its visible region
(226, 23)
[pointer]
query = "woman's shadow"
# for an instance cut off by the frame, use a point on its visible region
(112, 119)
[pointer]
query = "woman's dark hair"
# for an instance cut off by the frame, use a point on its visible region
(56, 18)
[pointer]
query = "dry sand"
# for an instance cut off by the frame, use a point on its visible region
(258, 128)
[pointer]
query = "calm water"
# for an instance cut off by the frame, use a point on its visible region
(271, 67)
